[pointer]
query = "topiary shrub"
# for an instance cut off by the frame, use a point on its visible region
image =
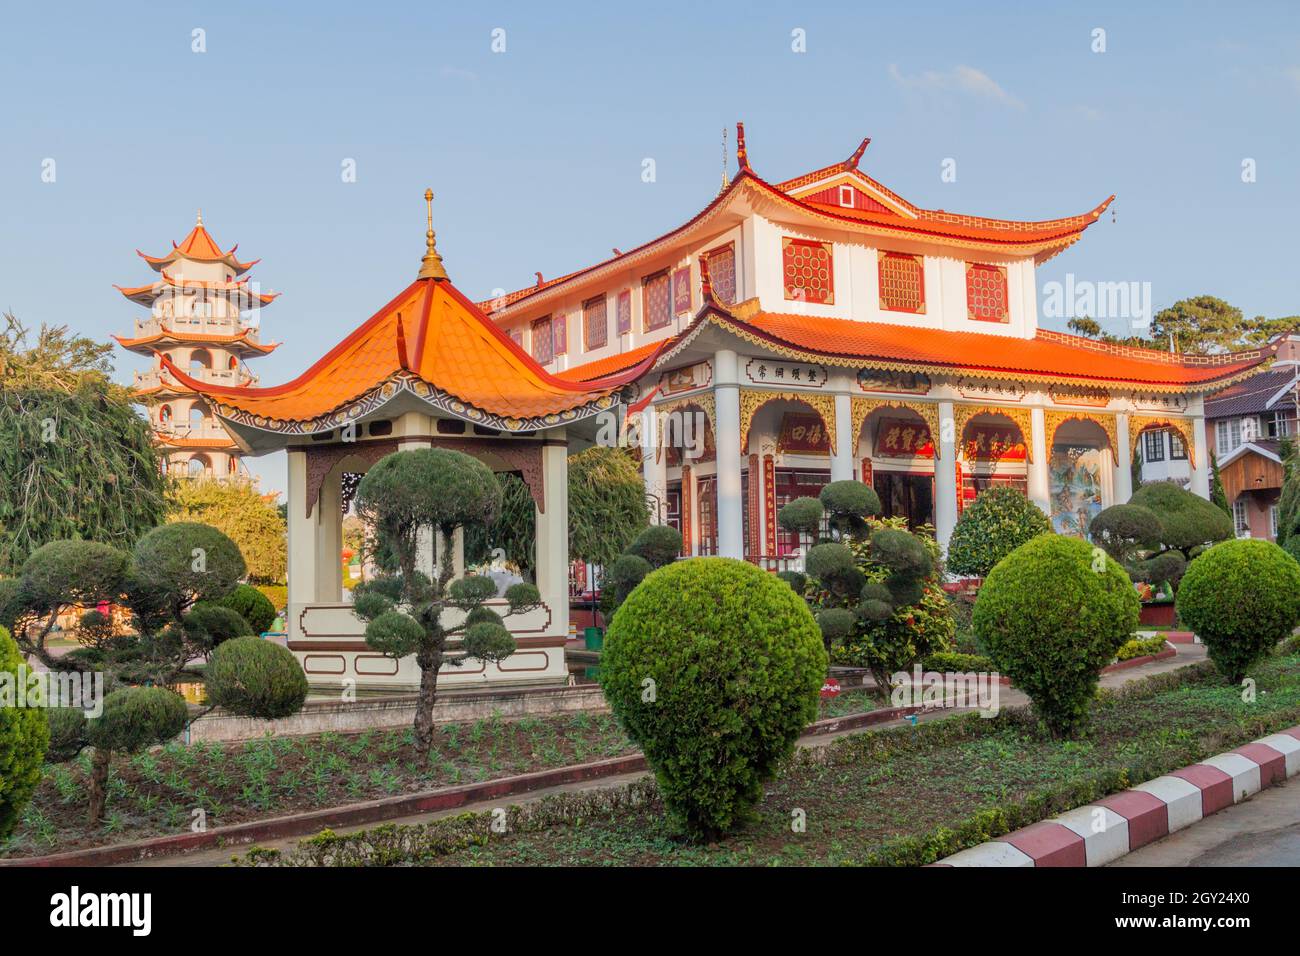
(207, 626)
(1124, 530)
(847, 504)
(802, 516)
(1240, 598)
(998, 521)
(624, 574)
(713, 667)
(24, 738)
(658, 544)
(1186, 520)
(1051, 623)
(254, 677)
(252, 605)
(187, 562)
(133, 719)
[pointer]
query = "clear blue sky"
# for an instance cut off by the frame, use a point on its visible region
(535, 153)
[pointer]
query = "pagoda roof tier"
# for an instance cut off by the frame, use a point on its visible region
(1051, 358)
(876, 212)
(432, 346)
(199, 246)
(240, 343)
(237, 290)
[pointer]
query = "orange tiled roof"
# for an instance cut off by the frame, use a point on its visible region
(176, 442)
(609, 365)
(146, 294)
(429, 331)
(240, 341)
(200, 247)
(1048, 357)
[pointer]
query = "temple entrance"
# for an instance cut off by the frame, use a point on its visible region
(906, 495)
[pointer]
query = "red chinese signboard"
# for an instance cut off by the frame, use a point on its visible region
(803, 433)
(994, 444)
(903, 438)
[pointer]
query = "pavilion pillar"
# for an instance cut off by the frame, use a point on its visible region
(1123, 461)
(945, 476)
(301, 573)
(329, 541)
(553, 531)
(1039, 489)
(726, 392)
(845, 441)
(1201, 466)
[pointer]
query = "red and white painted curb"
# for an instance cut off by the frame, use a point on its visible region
(1100, 832)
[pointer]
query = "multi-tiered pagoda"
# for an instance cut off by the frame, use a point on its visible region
(204, 315)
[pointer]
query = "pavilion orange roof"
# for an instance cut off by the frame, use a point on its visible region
(237, 342)
(433, 342)
(146, 294)
(185, 442)
(199, 246)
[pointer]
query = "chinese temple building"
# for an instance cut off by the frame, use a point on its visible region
(429, 369)
(203, 317)
(825, 328)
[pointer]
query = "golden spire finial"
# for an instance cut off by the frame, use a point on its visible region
(431, 266)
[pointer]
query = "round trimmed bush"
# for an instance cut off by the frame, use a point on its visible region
(1186, 519)
(1051, 623)
(997, 522)
(624, 574)
(1240, 598)
(137, 717)
(253, 677)
(187, 562)
(802, 515)
(209, 625)
(252, 605)
(658, 544)
(24, 738)
(713, 667)
(1123, 530)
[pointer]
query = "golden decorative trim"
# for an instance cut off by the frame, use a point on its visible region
(1137, 423)
(752, 399)
(1054, 419)
(863, 407)
(704, 401)
(1022, 417)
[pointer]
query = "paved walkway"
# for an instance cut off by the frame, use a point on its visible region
(1187, 654)
(1262, 831)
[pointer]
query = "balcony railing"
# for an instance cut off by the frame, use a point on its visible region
(210, 430)
(212, 376)
(200, 326)
(776, 562)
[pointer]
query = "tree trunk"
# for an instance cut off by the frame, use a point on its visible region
(429, 667)
(99, 764)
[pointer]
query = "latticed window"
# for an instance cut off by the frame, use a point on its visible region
(560, 334)
(595, 324)
(543, 343)
(722, 272)
(1155, 444)
(808, 271)
(656, 301)
(902, 282)
(624, 312)
(986, 293)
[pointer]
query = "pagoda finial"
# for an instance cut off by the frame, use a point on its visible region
(857, 154)
(198, 220)
(431, 265)
(742, 155)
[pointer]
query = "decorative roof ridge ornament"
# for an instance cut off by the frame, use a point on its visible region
(852, 161)
(742, 154)
(401, 344)
(431, 265)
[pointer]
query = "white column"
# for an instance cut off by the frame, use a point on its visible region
(845, 441)
(301, 573)
(1201, 471)
(553, 531)
(731, 504)
(1123, 461)
(945, 476)
(1039, 492)
(329, 540)
(654, 462)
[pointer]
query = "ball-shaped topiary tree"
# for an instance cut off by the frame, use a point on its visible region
(133, 719)
(186, 562)
(252, 675)
(252, 605)
(1123, 531)
(1052, 617)
(1187, 520)
(627, 571)
(1240, 598)
(659, 544)
(998, 521)
(848, 504)
(406, 613)
(713, 667)
(24, 738)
